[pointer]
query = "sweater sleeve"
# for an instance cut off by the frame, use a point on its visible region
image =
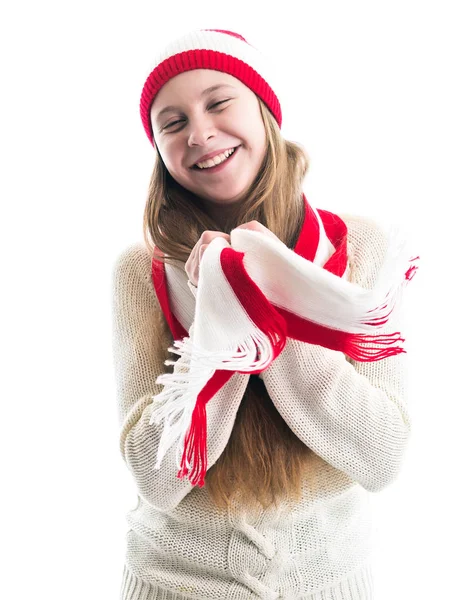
(352, 414)
(140, 340)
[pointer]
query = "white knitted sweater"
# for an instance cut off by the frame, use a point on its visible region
(352, 415)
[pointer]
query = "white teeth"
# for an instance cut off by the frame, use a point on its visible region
(212, 162)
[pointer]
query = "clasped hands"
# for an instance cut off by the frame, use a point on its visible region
(194, 260)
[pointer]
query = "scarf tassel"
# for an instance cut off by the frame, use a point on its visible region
(176, 400)
(195, 451)
(355, 343)
(263, 344)
(186, 393)
(411, 270)
(354, 346)
(194, 458)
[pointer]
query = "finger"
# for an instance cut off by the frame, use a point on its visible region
(191, 263)
(208, 236)
(202, 250)
(196, 265)
(202, 240)
(190, 259)
(252, 225)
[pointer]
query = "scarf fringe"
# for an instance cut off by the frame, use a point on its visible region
(179, 402)
(175, 406)
(195, 447)
(265, 327)
(379, 316)
(355, 349)
(256, 351)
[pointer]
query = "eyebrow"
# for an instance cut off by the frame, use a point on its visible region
(203, 93)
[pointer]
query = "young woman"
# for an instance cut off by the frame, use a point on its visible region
(253, 454)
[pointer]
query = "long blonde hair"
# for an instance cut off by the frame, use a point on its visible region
(267, 460)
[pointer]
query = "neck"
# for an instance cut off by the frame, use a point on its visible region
(223, 214)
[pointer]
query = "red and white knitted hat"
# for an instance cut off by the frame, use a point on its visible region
(214, 49)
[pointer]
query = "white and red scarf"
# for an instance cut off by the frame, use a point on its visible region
(253, 293)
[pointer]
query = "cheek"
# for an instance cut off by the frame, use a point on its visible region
(259, 141)
(170, 155)
(254, 131)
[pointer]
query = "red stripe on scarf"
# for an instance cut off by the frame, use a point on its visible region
(348, 343)
(195, 445)
(267, 319)
(254, 302)
(158, 274)
(309, 236)
(261, 312)
(275, 322)
(336, 231)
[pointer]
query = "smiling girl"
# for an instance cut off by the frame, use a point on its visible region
(254, 454)
(213, 141)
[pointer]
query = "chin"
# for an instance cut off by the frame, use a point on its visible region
(221, 195)
(224, 200)
(225, 193)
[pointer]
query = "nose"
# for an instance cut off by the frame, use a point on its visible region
(201, 130)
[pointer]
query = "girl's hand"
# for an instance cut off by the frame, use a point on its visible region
(256, 226)
(192, 264)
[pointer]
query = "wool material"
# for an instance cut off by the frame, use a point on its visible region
(218, 50)
(253, 295)
(352, 414)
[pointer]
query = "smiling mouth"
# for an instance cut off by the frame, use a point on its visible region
(196, 168)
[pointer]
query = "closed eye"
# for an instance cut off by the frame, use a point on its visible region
(211, 106)
(217, 103)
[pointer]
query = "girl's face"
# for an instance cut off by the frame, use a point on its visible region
(191, 121)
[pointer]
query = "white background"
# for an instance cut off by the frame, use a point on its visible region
(373, 91)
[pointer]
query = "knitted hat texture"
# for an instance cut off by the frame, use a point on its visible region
(214, 49)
